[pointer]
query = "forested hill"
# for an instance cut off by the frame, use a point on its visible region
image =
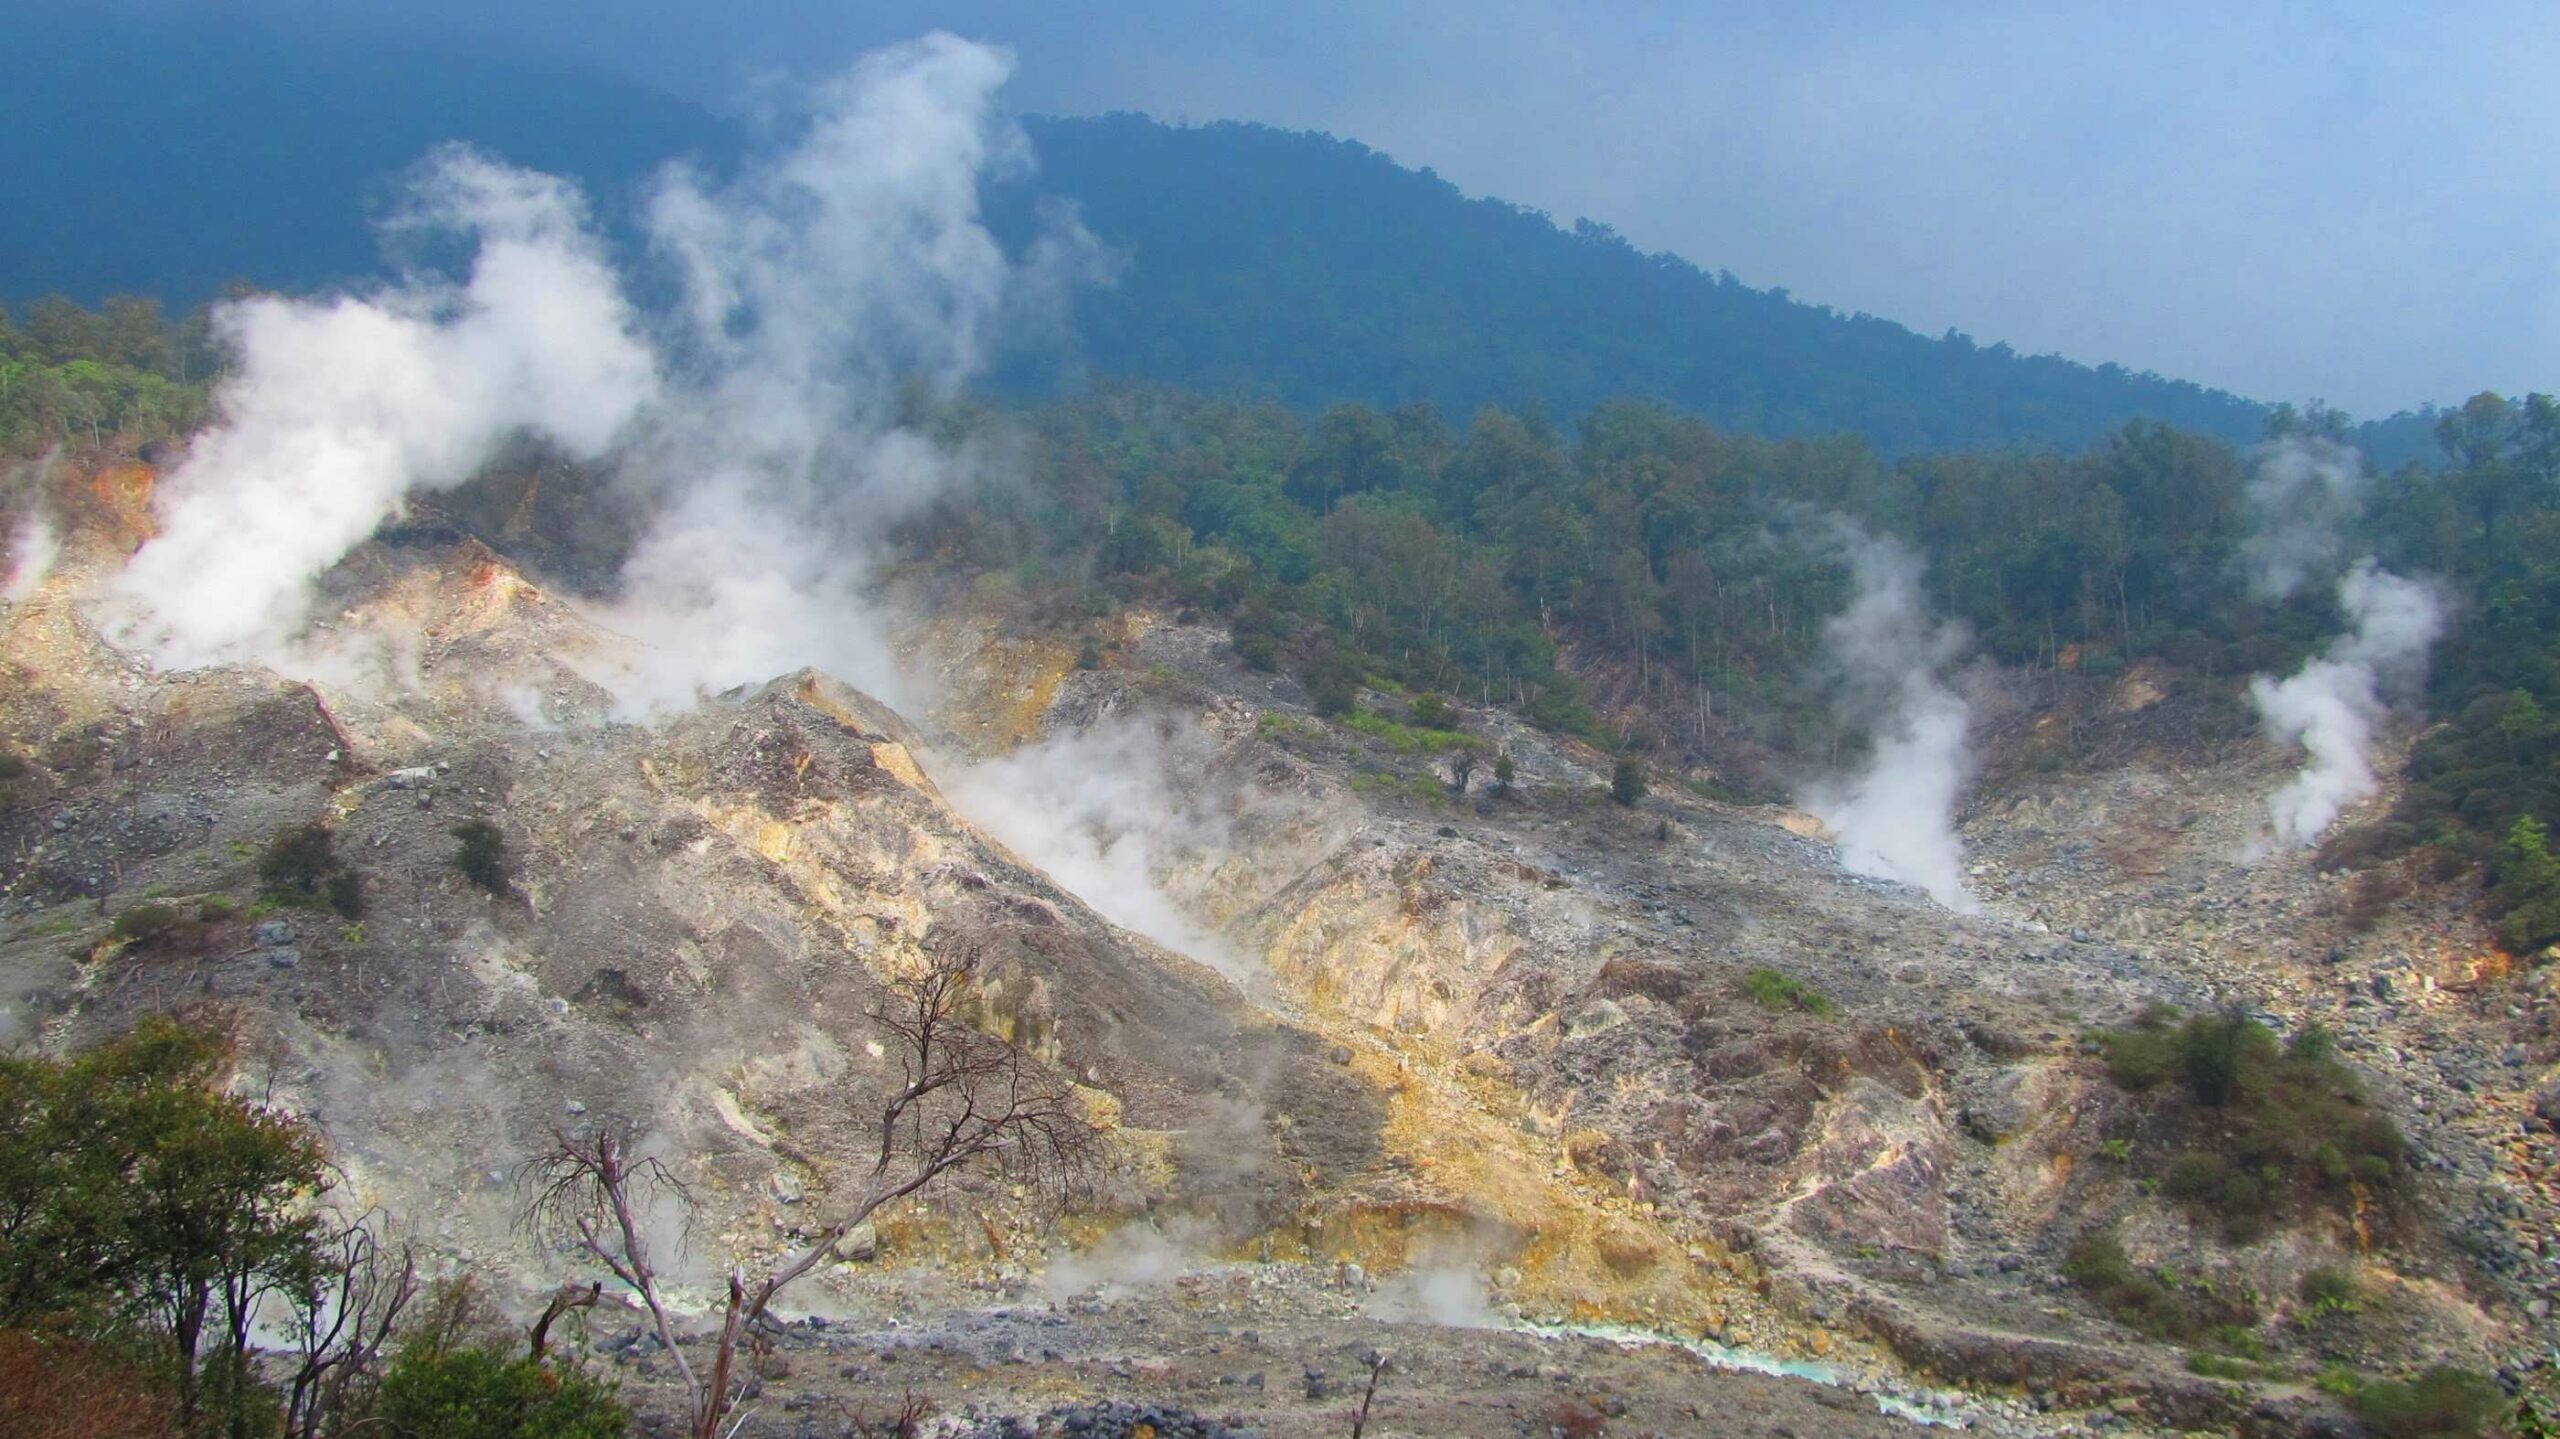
(1311, 270)
(171, 157)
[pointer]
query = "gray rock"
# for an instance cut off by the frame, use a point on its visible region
(273, 932)
(285, 958)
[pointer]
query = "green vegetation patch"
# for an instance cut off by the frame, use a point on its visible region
(301, 867)
(2164, 1304)
(2259, 1129)
(1774, 989)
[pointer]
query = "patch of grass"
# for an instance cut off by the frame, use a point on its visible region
(146, 922)
(1422, 788)
(1723, 792)
(1773, 989)
(1276, 725)
(2223, 1366)
(2442, 1403)
(58, 925)
(215, 908)
(2181, 1309)
(2260, 1128)
(1406, 739)
(2327, 1291)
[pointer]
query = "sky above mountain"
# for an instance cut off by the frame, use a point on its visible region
(2343, 201)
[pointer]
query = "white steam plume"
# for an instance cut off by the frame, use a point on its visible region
(1097, 811)
(33, 548)
(2331, 705)
(1895, 818)
(816, 288)
(342, 409)
(2305, 493)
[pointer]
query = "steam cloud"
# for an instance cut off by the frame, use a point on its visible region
(761, 418)
(2306, 491)
(341, 410)
(2305, 494)
(1895, 818)
(766, 421)
(1096, 811)
(2331, 705)
(32, 551)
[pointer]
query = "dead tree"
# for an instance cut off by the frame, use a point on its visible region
(965, 1097)
(344, 1311)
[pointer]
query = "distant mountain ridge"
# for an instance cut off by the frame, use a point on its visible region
(171, 157)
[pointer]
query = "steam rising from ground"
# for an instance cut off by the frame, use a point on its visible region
(1895, 817)
(1135, 1256)
(1097, 811)
(33, 547)
(2304, 495)
(2306, 492)
(2331, 705)
(767, 419)
(341, 410)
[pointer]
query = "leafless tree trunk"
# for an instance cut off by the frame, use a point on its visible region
(965, 1097)
(343, 1321)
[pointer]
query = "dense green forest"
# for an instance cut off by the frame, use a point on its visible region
(1649, 580)
(121, 375)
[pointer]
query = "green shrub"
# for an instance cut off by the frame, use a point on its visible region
(13, 766)
(215, 908)
(483, 855)
(1772, 989)
(146, 922)
(470, 1393)
(2180, 1309)
(2263, 1127)
(2328, 1290)
(345, 892)
(1432, 712)
(2442, 1403)
(1626, 780)
(301, 859)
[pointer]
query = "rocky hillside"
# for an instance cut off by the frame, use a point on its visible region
(1571, 1107)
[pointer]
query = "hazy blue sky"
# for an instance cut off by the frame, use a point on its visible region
(2359, 202)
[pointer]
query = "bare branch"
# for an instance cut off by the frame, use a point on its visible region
(963, 1098)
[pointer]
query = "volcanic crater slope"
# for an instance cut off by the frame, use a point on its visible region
(1498, 1050)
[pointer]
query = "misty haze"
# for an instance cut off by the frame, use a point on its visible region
(976, 721)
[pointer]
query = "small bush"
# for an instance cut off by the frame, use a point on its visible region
(2180, 1309)
(1772, 989)
(1433, 712)
(1626, 781)
(2328, 1290)
(472, 1393)
(13, 766)
(146, 922)
(2443, 1403)
(483, 855)
(2370, 899)
(300, 859)
(345, 893)
(215, 908)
